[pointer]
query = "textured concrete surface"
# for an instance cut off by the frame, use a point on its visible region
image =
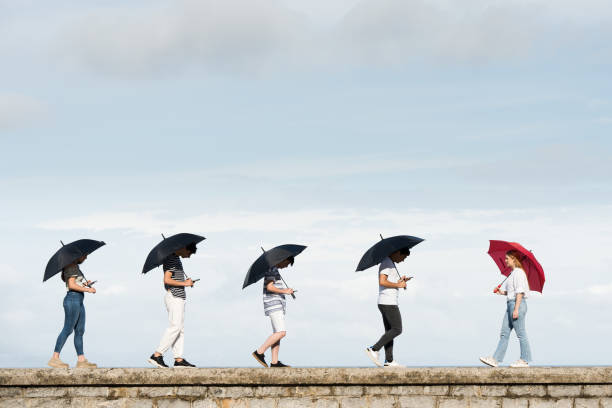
(593, 376)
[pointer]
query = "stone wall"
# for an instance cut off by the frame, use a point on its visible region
(585, 387)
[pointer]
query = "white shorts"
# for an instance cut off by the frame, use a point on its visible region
(278, 321)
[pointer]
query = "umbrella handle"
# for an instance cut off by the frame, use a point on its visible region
(497, 288)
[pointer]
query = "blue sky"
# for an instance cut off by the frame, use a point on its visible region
(268, 122)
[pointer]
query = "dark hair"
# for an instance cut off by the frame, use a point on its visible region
(291, 260)
(191, 248)
(405, 251)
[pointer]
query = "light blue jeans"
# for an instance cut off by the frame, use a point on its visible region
(519, 327)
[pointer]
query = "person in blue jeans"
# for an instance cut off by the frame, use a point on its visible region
(74, 315)
(517, 291)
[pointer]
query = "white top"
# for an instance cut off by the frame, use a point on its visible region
(388, 296)
(517, 283)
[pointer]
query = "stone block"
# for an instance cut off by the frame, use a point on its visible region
(586, 403)
(465, 391)
(197, 391)
(383, 402)
(599, 390)
(515, 403)
(353, 402)
(204, 403)
(387, 390)
(45, 392)
(11, 391)
(436, 390)
(550, 403)
(261, 403)
(476, 402)
(309, 391)
(46, 403)
(527, 391)
(156, 392)
(234, 403)
(327, 403)
(88, 392)
(557, 391)
(296, 403)
(97, 403)
(271, 391)
(230, 392)
(454, 402)
(417, 401)
(606, 403)
(173, 403)
(347, 390)
(12, 402)
(137, 403)
(122, 392)
(493, 391)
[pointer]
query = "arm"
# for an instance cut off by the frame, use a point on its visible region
(73, 286)
(171, 282)
(383, 281)
(519, 298)
(271, 288)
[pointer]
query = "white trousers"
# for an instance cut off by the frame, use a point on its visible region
(174, 336)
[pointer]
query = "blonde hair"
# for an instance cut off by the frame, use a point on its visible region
(516, 257)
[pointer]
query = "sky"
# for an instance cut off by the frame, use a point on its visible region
(323, 123)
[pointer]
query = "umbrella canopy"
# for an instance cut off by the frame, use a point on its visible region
(269, 259)
(533, 269)
(384, 248)
(166, 247)
(69, 253)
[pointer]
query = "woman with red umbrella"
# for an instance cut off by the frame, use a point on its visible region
(516, 265)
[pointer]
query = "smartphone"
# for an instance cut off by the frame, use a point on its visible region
(92, 283)
(195, 280)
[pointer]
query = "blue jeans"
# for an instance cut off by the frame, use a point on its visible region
(519, 327)
(74, 319)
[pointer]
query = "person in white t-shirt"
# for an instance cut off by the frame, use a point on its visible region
(517, 291)
(389, 283)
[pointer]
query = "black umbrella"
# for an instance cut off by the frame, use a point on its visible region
(167, 246)
(384, 248)
(68, 254)
(269, 259)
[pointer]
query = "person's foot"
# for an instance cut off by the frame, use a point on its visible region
(182, 363)
(57, 363)
(279, 364)
(393, 364)
(261, 359)
(157, 361)
(85, 364)
(373, 356)
(520, 363)
(490, 361)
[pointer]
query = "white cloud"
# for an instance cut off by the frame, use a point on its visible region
(18, 110)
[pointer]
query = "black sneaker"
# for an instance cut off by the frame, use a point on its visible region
(279, 364)
(260, 358)
(157, 361)
(182, 363)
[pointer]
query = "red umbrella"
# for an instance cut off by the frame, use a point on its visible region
(533, 269)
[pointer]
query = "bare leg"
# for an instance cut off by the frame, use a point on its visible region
(275, 350)
(271, 341)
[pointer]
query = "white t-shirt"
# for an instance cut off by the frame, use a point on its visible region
(517, 283)
(388, 296)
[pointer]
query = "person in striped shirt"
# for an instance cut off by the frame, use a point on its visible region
(274, 306)
(175, 282)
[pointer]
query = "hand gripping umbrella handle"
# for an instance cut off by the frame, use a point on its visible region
(292, 295)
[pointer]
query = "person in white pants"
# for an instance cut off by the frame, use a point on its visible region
(174, 283)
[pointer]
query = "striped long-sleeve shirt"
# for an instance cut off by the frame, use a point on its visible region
(273, 302)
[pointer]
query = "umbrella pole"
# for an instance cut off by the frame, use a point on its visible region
(292, 295)
(398, 274)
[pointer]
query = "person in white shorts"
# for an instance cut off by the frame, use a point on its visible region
(274, 306)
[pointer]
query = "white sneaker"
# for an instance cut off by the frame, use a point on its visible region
(520, 363)
(490, 361)
(373, 356)
(393, 364)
